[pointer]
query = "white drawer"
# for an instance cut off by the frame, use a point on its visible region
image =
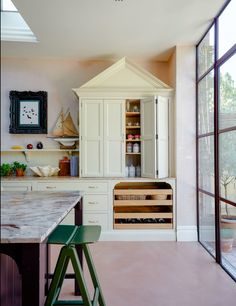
(58, 186)
(96, 219)
(16, 187)
(92, 202)
(94, 187)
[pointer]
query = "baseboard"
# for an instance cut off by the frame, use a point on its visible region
(138, 235)
(186, 233)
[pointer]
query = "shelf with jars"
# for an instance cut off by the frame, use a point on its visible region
(133, 138)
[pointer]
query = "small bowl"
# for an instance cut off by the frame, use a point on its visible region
(45, 170)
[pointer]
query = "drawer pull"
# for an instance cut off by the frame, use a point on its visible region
(51, 187)
(92, 202)
(92, 187)
(93, 222)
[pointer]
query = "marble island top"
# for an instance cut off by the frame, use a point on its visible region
(29, 217)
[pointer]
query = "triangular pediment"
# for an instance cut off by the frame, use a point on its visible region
(123, 75)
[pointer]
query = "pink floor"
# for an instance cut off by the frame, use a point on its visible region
(158, 274)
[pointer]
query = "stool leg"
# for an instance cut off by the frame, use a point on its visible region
(79, 276)
(58, 277)
(93, 274)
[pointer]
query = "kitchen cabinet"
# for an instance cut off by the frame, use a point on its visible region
(120, 101)
(102, 138)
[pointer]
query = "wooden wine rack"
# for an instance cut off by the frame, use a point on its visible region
(145, 207)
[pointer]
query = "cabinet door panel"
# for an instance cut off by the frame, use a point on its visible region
(148, 136)
(163, 135)
(92, 138)
(114, 129)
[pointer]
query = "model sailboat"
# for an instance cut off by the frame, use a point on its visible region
(64, 130)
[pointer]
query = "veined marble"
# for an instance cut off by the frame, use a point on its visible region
(29, 217)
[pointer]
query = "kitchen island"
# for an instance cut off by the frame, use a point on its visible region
(27, 219)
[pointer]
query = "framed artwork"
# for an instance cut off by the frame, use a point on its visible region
(28, 112)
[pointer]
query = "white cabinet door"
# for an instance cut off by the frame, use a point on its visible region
(162, 147)
(154, 133)
(91, 138)
(148, 137)
(114, 137)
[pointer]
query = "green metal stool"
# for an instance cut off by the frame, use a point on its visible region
(70, 236)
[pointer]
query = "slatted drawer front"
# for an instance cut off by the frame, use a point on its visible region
(94, 187)
(95, 202)
(96, 219)
(59, 186)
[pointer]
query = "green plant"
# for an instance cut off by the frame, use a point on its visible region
(17, 165)
(6, 169)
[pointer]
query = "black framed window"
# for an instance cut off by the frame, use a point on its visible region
(216, 138)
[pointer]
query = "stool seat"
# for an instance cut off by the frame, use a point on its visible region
(73, 234)
(69, 236)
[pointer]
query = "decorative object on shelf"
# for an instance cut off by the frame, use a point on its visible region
(6, 169)
(29, 146)
(28, 112)
(45, 170)
(135, 109)
(137, 136)
(39, 145)
(65, 131)
(129, 147)
(19, 168)
(64, 165)
(137, 123)
(74, 164)
(136, 148)
(16, 147)
(130, 136)
(131, 171)
(129, 123)
(138, 171)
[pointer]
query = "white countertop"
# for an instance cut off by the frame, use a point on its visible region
(29, 217)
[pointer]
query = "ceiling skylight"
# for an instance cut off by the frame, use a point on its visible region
(13, 26)
(7, 5)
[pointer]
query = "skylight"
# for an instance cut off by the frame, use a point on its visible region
(8, 6)
(13, 26)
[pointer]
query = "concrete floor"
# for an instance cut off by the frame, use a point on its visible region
(158, 274)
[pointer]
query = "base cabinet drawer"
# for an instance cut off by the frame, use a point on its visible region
(16, 187)
(51, 186)
(95, 202)
(96, 219)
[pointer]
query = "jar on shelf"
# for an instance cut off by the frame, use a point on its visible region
(136, 148)
(131, 171)
(138, 171)
(129, 147)
(64, 165)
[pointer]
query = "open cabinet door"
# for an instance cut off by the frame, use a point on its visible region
(162, 148)
(148, 137)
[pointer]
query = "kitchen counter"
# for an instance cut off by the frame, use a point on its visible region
(29, 217)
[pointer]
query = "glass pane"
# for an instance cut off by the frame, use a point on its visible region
(227, 22)
(206, 164)
(207, 221)
(227, 165)
(206, 104)
(206, 51)
(228, 94)
(7, 5)
(228, 237)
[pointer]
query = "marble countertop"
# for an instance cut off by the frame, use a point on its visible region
(29, 217)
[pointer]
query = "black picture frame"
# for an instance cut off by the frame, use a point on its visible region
(28, 112)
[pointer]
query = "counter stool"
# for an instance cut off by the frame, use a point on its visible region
(69, 236)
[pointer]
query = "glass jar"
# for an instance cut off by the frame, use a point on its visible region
(136, 148)
(129, 147)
